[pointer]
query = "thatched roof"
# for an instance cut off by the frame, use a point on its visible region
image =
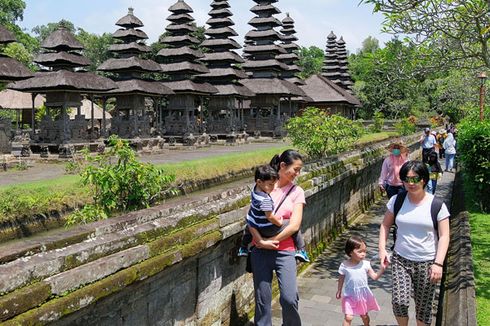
(269, 21)
(6, 36)
(323, 90)
(132, 63)
(181, 39)
(269, 34)
(180, 18)
(228, 56)
(61, 40)
(220, 21)
(124, 33)
(222, 32)
(296, 80)
(220, 13)
(272, 86)
(271, 48)
(11, 70)
(288, 20)
(62, 58)
(185, 66)
(270, 9)
(133, 46)
(181, 27)
(181, 52)
(221, 43)
(130, 20)
(220, 4)
(14, 100)
(233, 90)
(180, 8)
(86, 110)
(190, 87)
(64, 80)
(143, 87)
(265, 1)
(224, 73)
(264, 64)
(287, 57)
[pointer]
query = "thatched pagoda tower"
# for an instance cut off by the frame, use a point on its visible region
(291, 57)
(183, 116)
(264, 116)
(225, 108)
(345, 78)
(131, 118)
(331, 68)
(63, 85)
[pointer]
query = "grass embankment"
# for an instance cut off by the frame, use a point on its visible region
(480, 241)
(42, 197)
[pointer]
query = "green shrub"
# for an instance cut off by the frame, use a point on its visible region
(379, 121)
(473, 145)
(118, 182)
(319, 134)
(405, 127)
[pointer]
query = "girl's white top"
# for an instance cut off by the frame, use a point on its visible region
(356, 281)
(449, 144)
(416, 238)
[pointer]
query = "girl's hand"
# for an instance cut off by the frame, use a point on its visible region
(435, 273)
(268, 244)
(338, 295)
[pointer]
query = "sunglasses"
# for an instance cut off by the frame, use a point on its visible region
(416, 179)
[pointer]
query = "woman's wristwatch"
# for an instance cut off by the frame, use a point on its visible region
(437, 264)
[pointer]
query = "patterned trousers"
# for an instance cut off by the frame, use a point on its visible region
(412, 278)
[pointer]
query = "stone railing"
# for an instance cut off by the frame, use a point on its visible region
(173, 264)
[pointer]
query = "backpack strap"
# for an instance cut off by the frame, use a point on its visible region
(400, 198)
(435, 207)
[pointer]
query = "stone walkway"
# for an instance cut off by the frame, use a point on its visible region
(318, 284)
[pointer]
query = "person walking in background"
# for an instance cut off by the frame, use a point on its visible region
(261, 215)
(450, 151)
(389, 179)
(441, 136)
(421, 243)
(428, 142)
(435, 173)
(278, 253)
(357, 297)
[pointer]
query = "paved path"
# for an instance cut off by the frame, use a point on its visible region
(318, 284)
(42, 171)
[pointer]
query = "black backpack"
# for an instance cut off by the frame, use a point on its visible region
(435, 207)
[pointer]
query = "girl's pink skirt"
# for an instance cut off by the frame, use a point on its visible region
(361, 306)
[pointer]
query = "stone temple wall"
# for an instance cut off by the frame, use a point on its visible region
(178, 266)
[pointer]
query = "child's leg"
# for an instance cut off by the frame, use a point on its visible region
(434, 186)
(365, 319)
(347, 320)
(246, 237)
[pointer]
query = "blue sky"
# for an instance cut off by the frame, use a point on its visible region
(314, 18)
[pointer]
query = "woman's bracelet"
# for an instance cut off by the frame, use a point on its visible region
(437, 264)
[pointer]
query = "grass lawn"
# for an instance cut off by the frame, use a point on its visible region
(480, 241)
(43, 196)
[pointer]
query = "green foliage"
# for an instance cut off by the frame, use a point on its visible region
(19, 52)
(88, 214)
(96, 47)
(405, 127)
(379, 121)
(473, 146)
(310, 60)
(11, 11)
(125, 184)
(320, 134)
(42, 31)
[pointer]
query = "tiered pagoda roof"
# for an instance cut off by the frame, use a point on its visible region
(221, 58)
(290, 58)
(61, 56)
(345, 78)
(261, 51)
(11, 69)
(321, 90)
(331, 68)
(180, 56)
(127, 64)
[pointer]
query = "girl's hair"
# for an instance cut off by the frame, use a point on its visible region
(417, 167)
(288, 157)
(354, 242)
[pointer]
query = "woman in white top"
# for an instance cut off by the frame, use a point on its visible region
(419, 250)
(449, 146)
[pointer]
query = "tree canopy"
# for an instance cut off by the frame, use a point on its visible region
(311, 60)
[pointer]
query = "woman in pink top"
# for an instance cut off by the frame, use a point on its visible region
(389, 180)
(277, 253)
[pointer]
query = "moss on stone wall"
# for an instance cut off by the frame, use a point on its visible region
(21, 300)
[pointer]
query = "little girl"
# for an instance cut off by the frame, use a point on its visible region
(357, 298)
(435, 173)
